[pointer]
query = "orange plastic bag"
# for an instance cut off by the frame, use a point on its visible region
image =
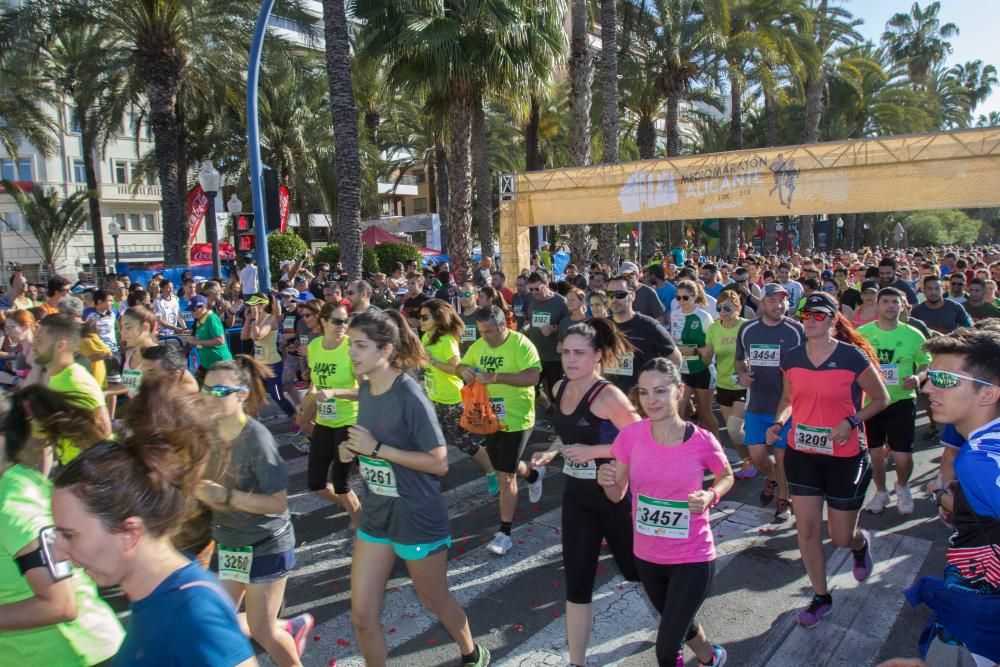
(477, 412)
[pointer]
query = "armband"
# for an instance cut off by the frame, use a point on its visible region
(853, 419)
(42, 557)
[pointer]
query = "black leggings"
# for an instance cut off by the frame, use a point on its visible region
(449, 417)
(584, 525)
(677, 592)
(323, 448)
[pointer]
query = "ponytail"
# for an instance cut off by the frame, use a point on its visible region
(604, 337)
(409, 352)
(844, 331)
(252, 374)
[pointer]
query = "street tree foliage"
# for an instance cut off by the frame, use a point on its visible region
(455, 93)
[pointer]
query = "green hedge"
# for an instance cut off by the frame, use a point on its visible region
(390, 253)
(331, 255)
(284, 246)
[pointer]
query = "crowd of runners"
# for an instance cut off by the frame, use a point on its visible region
(135, 454)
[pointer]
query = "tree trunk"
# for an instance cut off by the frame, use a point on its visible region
(432, 202)
(607, 234)
(771, 138)
(441, 169)
(484, 184)
(532, 157)
(645, 139)
(372, 123)
(770, 234)
(93, 195)
(160, 76)
(736, 113)
(460, 181)
(850, 231)
(673, 150)
(346, 161)
(305, 231)
(581, 74)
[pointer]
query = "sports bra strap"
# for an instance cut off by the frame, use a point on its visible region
(594, 390)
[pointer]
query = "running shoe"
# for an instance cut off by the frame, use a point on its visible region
(492, 484)
(719, 656)
(863, 563)
(819, 607)
(746, 471)
(783, 512)
(767, 493)
(904, 500)
(299, 628)
(301, 443)
(878, 503)
(482, 660)
(535, 488)
(500, 544)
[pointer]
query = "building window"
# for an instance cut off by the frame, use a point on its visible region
(420, 205)
(16, 170)
(79, 171)
(135, 222)
(74, 121)
(119, 219)
(12, 221)
(121, 172)
(149, 222)
(150, 178)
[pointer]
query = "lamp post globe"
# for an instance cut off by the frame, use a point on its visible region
(209, 178)
(115, 230)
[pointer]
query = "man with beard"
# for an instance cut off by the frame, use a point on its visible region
(939, 314)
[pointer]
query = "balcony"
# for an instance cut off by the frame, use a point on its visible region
(404, 189)
(126, 192)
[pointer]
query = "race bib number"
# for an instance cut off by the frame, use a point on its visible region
(469, 333)
(379, 477)
(428, 381)
(499, 408)
(289, 323)
(626, 366)
(586, 470)
(540, 319)
(518, 310)
(662, 518)
(132, 380)
(235, 563)
(327, 409)
(303, 342)
(765, 355)
(735, 379)
(890, 374)
(813, 439)
(684, 364)
(189, 319)
(258, 351)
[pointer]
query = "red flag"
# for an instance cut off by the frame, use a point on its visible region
(283, 200)
(197, 204)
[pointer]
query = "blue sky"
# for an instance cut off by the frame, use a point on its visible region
(977, 21)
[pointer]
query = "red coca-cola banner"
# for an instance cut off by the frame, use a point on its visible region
(197, 204)
(284, 196)
(202, 252)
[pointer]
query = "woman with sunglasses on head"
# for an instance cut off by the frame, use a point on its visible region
(588, 415)
(261, 325)
(116, 508)
(468, 297)
(827, 457)
(488, 296)
(576, 302)
(138, 325)
(50, 613)
(661, 462)
(720, 342)
(246, 487)
(442, 328)
(690, 325)
(332, 403)
(402, 455)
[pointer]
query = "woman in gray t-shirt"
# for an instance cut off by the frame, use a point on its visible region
(402, 453)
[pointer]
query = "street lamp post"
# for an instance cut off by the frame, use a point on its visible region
(235, 207)
(210, 179)
(115, 230)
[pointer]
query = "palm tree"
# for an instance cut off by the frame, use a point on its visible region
(52, 220)
(451, 48)
(581, 75)
(165, 40)
(347, 161)
(23, 88)
(918, 39)
(607, 234)
(978, 80)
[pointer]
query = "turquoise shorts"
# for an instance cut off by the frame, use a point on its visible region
(408, 551)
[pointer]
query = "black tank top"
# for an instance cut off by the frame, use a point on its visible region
(582, 427)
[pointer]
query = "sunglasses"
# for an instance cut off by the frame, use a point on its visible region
(468, 294)
(727, 309)
(221, 391)
(337, 322)
(829, 288)
(685, 297)
(814, 315)
(950, 380)
(620, 294)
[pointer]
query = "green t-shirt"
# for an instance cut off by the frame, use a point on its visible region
(81, 389)
(95, 635)
(332, 369)
(514, 406)
(690, 331)
(899, 352)
(723, 342)
(442, 387)
(211, 327)
(981, 312)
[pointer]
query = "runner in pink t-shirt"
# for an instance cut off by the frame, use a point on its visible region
(662, 460)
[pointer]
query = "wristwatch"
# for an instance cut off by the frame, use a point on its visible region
(853, 419)
(374, 454)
